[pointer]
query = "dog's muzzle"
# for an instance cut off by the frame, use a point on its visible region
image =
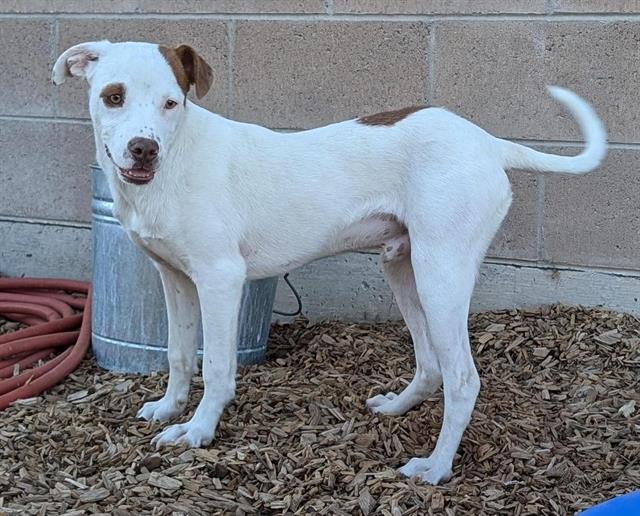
(145, 154)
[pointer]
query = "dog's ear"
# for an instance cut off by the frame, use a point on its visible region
(78, 61)
(198, 71)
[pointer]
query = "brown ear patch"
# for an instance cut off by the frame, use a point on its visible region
(172, 58)
(198, 71)
(389, 118)
(189, 68)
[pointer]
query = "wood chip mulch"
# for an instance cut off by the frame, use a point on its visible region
(556, 429)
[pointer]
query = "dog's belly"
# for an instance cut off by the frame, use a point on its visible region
(369, 233)
(379, 232)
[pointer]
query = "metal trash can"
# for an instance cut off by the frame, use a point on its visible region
(129, 318)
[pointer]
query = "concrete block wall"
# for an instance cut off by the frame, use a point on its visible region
(296, 64)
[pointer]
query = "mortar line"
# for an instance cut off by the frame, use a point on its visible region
(54, 54)
(562, 266)
(552, 6)
(49, 119)
(540, 236)
(301, 17)
(545, 265)
(548, 7)
(328, 5)
(570, 143)
(45, 222)
(231, 63)
(431, 64)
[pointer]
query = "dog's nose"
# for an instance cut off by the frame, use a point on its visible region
(144, 149)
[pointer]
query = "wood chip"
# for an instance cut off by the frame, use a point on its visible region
(540, 352)
(152, 462)
(366, 502)
(627, 409)
(94, 495)
(164, 482)
(437, 502)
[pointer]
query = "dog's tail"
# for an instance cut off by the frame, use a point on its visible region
(519, 156)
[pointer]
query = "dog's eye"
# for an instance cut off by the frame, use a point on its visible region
(170, 104)
(114, 100)
(113, 95)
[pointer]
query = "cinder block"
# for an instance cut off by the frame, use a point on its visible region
(597, 6)
(165, 6)
(208, 37)
(25, 65)
(440, 6)
(300, 75)
(518, 236)
(495, 73)
(45, 170)
(43, 250)
(595, 219)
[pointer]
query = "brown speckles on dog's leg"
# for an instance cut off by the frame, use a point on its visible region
(245, 250)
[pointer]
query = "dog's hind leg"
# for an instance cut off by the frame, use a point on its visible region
(445, 291)
(448, 242)
(427, 377)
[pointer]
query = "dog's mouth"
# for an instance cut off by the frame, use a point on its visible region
(136, 176)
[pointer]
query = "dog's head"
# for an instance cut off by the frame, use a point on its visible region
(137, 98)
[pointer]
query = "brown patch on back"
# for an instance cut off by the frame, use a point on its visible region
(175, 63)
(389, 118)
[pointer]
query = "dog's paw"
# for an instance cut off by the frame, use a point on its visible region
(188, 434)
(386, 404)
(428, 470)
(160, 410)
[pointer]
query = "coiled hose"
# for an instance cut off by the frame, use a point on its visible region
(48, 308)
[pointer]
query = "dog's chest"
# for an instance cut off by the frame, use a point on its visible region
(161, 251)
(154, 237)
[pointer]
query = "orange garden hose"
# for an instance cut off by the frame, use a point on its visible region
(47, 308)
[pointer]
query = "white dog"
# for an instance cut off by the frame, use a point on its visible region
(214, 202)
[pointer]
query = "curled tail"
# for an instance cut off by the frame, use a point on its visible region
(519, 156)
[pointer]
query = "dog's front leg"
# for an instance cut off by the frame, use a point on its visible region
(183, 314)
(219, 287)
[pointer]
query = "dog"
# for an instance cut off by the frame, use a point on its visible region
(214, 202)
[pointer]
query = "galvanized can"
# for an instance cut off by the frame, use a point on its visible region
(129, 320)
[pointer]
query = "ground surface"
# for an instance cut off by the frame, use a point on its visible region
(555, 429)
